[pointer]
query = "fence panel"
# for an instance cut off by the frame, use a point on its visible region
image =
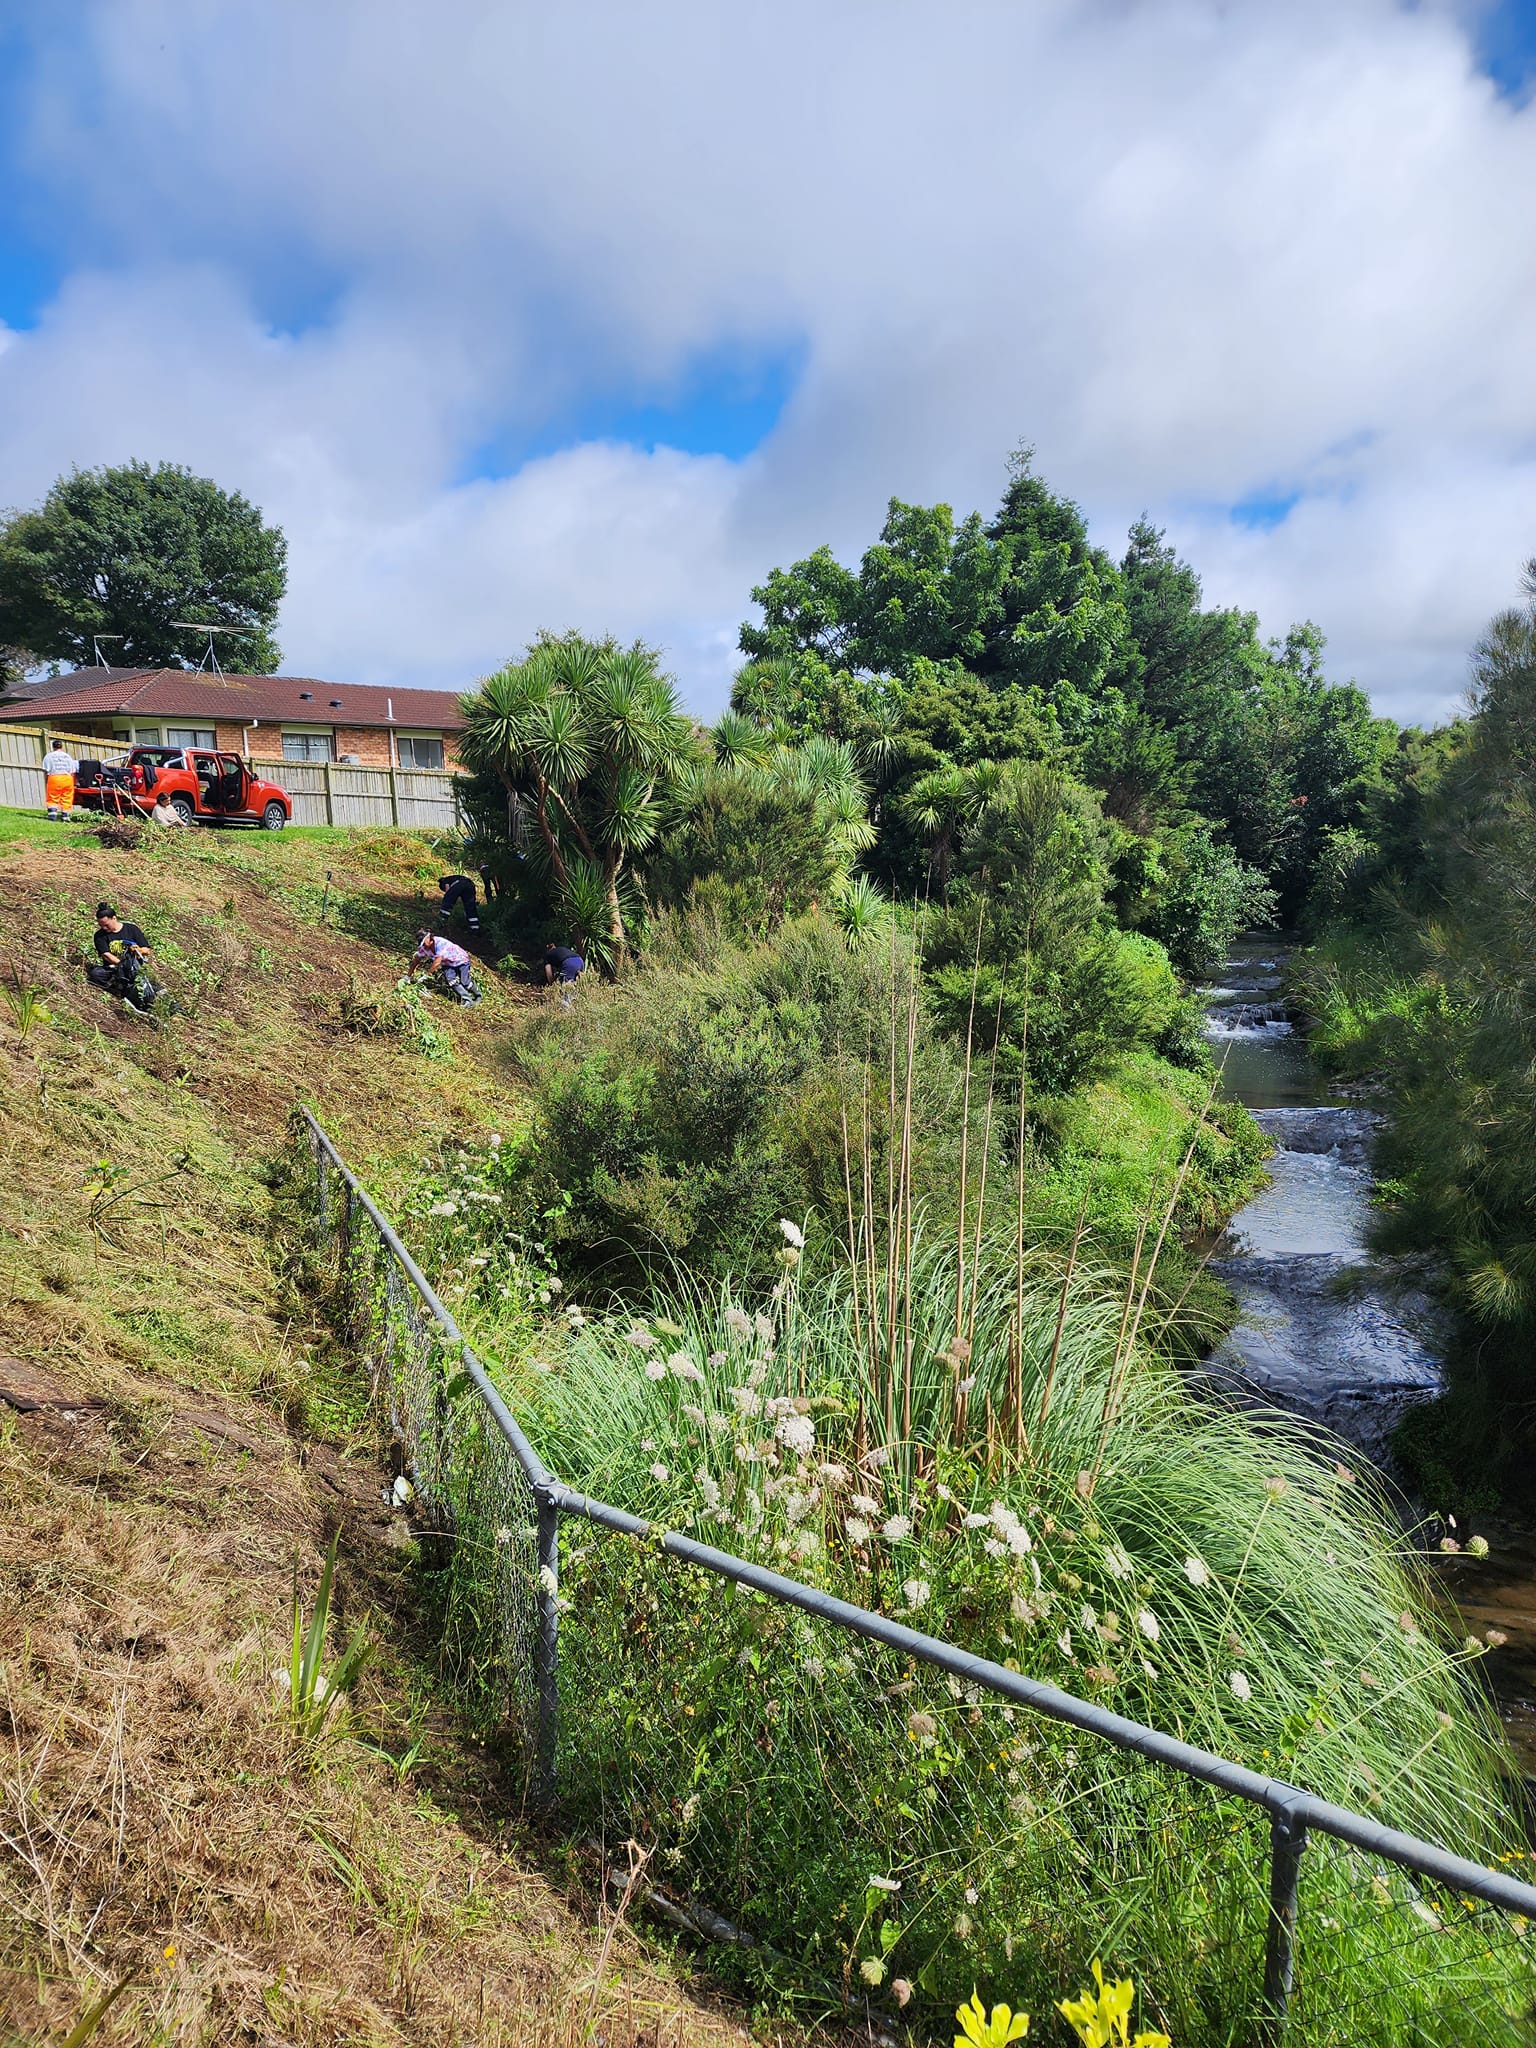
(428, 799)
(865, 1802)
(305, 783)
(22, 747)
(361, 796)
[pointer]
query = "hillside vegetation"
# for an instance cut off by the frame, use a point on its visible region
(850, 1209)
(1420, 976)
(177, 1440)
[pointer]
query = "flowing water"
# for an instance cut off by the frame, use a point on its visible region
(1323, 1329)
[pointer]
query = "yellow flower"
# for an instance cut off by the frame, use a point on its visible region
(979, 2031)
(1105, 2021)
(170, 1952)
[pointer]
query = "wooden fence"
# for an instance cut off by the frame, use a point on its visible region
(326, 793)
(323, 792)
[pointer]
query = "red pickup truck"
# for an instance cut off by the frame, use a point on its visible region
(207, 788)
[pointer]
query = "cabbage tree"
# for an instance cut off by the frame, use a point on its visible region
(587, 740)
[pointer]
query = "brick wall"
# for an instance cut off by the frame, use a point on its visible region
(370, 743)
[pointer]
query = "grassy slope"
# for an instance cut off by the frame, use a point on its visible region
(187, 1443)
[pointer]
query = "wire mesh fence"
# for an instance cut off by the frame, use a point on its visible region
(468, 1492)
(866, 1812)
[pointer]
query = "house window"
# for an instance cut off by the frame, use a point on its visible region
(148, 736)
(308, 746)
(415, 752)
(189, 736)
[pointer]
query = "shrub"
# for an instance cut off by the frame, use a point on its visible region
(680, 1113)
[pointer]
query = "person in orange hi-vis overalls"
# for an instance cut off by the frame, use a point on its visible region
(59, 770)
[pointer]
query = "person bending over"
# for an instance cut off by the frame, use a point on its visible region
(435, 955)
(459, 890)
(563, 965)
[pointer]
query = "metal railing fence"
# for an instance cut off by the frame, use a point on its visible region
(478, 1482)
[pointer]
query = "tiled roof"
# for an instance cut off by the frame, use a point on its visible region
(182, 693)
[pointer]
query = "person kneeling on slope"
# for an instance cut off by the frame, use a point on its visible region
(435, 955)
(122, 960)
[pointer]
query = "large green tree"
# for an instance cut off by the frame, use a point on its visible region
(1025, 952)
(125, 552)
(954, 644)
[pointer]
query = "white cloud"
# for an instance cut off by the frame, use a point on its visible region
(1192, 249)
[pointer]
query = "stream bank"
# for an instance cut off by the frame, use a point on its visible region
(1324, 1329)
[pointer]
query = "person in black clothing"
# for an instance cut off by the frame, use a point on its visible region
(459, 890)
(561, 964)
(122, 959)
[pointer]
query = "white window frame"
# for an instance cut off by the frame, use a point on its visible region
(192, 736)
(308, 733)
(436, 738)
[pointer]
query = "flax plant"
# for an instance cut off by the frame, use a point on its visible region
(314, 1694)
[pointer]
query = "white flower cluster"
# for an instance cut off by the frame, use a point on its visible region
(1010, 1537)
(797, 1433)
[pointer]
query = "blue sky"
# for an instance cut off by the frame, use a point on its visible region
(518, 317)
(1505, 42)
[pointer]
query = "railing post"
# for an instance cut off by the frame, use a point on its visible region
(546, 1654)
(1287, 1840)
(322, 1175)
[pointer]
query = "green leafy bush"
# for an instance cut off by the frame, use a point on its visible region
(682, 1112)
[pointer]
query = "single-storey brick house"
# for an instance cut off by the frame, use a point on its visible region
(270, 718)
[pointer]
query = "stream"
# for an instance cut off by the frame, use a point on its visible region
(1324, 1329)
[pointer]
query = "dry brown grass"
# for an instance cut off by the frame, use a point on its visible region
(151, 1798)
(156, 1825)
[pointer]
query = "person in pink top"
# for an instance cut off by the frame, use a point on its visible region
(437, 955)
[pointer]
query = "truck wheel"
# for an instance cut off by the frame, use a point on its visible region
(274, 817)
(184, 809)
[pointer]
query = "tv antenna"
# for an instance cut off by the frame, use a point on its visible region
(202, 626)
(96, 640)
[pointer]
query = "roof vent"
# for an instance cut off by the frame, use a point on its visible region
(306, 696)
(335, 703)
